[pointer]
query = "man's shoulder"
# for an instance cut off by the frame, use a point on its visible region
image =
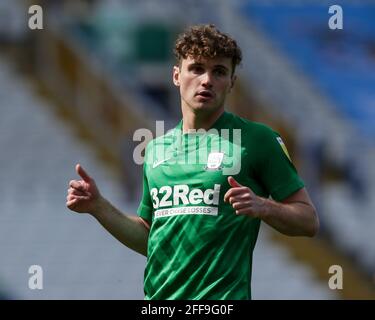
(252, 127)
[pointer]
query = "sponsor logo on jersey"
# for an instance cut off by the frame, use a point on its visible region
(181, 197)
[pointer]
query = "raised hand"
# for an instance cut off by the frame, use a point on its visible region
(83, 195)
(244, 200)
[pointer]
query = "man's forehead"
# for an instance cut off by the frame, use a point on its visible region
(223, 61)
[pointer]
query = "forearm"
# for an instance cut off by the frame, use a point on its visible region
(292, 219)
(127, 229)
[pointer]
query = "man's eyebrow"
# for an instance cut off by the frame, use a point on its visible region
(220, 66)
(195, 64)
(198, 64)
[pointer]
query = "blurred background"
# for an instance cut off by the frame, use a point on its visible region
(75, 92)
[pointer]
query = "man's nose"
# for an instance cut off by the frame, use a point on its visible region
(207, 79)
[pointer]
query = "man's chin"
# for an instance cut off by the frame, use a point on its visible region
(204, 106)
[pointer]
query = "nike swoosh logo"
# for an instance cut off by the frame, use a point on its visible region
(157, 163)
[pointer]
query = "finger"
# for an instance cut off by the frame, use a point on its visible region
(77, 192)
(239, 198)
(82, 173)
(241, 205)
(233, 192)
(233, 183)
(247, 211)
(79, 185)
(71, 204)
(71, 197)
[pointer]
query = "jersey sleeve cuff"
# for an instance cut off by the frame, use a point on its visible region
(284, 191)
(145, 212)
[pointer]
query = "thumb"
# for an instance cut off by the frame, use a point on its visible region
(83, 173)
(233, 183)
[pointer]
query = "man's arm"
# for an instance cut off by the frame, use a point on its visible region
(294, 216)
(84, 197)
(130, 230)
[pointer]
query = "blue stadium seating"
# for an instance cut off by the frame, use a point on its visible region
(340, 62)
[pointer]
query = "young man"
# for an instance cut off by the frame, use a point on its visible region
(205, 192)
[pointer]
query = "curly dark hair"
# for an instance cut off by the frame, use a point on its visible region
(208, 42)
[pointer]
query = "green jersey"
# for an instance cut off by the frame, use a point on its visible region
(198, 248)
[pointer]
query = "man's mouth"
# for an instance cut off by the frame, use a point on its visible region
(205, 94)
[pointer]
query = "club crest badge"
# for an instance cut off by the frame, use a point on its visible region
(214, 161)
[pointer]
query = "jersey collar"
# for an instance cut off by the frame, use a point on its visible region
(178, 135)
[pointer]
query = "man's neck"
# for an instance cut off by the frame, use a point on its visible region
(201, 120)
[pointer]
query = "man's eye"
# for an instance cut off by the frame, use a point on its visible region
(197, 69)
(220, 72)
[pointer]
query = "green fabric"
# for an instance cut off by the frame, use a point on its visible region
(198, 248)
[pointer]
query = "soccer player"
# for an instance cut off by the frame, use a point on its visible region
(207, 185)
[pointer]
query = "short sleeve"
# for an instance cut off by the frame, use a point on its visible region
(145, 207)
(274, 167)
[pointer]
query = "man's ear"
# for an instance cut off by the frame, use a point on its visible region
(233, 80)
(176, 76)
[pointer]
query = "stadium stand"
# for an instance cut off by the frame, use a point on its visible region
(39, 153)
(341, 63)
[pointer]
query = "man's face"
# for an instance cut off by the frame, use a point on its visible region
(204, 83)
